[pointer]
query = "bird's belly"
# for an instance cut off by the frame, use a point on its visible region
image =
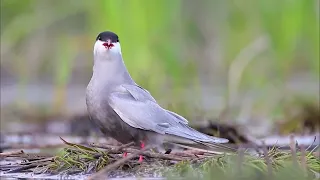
(112, 125)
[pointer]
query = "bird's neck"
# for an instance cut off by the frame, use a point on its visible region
(110, 71)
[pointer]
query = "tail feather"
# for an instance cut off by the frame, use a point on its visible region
(215, 148)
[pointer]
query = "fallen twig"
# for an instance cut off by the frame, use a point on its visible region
(124, 146)
(107, 146)
(161, 156)
(22, 168)
(33, 146)
(11, 153)
(38, 161)
(111, 150)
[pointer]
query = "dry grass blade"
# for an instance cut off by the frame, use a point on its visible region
(267, 160)
(293, 150)
(303, 159)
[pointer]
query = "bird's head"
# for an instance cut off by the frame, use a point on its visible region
(107, 45)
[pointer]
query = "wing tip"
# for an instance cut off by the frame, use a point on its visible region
(217, 140)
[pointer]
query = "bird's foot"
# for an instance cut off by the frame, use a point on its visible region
(125, 154)
(142, 145)
(140, 159)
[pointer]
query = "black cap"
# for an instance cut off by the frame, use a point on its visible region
(104, 36)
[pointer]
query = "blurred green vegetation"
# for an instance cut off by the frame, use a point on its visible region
(253, 45)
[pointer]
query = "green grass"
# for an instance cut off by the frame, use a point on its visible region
(248, 167)
(283, 164)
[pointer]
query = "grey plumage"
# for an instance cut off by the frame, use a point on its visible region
(127, 112)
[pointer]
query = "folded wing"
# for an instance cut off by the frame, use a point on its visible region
(138, 108)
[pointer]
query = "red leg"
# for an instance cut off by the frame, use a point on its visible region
(125, 154)
(142, 147)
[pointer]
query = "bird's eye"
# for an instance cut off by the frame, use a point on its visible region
(117, 40)
(99, 38)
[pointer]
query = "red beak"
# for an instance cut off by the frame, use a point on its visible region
(108, 44)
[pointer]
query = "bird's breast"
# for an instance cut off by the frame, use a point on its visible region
(95, 96)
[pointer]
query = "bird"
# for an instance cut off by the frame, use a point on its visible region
(128, 113)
